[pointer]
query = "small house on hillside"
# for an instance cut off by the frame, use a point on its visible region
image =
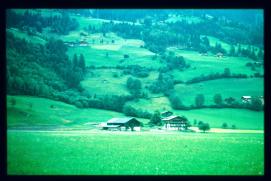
(69, 43)
(246, 99)
(128, 123)
(83, 43)
(175, 123)
(166, 114)
(262, 99)
(219, 55)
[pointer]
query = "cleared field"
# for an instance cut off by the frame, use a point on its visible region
(105, 56)
(41, 114)
(96, 22)
(189, 19)
(235, 88)
(101, 81)
(226, 46)
(142, 153)
(241, 118)
(204, 65)
(152, 104)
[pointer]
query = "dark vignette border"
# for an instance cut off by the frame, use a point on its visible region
(146, 4)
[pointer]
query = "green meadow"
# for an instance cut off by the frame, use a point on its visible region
(68, 115)
(236, 89)
(113, 153)
(56, 101)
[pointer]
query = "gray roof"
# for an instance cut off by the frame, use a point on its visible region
(111, 126)
(169, 118)
(120, 120)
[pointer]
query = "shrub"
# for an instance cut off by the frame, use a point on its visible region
(199, 100)
(204, 127)
(224, 125)
(218, 99)
(156, 119)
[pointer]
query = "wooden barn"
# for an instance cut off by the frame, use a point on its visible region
(175, 123)
(128, 123)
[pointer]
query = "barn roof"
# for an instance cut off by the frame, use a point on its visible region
(170, 117)
(111, 126)
(120, 120)
(246, 97)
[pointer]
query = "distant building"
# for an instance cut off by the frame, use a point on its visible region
(83, 43)
(209, 17)
(219, 55)
(262, 99)
(69, 43)
(246, 99)
(127, 123)
(175, 123)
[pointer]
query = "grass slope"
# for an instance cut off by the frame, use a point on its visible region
(211, 64)
(105, 153)
(41, 114)
(235, 88)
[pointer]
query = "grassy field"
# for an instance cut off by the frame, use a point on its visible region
(97, 56)
(226, 46)
(188, 19)
(211, 64)
(142, 153)
(235, 88)
(41, 114)
(241, 118)
(96, 81)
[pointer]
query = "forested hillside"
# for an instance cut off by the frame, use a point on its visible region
(137, 61)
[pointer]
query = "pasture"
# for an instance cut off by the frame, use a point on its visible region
(204, 65)
(113, 55)
(41, 113)
(224, 45)
(188, 19)
(241, 118)
(131, 153)
(235, 88)
(101, 81)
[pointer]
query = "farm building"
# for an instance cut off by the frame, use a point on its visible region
(83, 43)
(127, 123)
(71, 44)
(219, 55)
(175, 123)
(166, 114)
(246, 99)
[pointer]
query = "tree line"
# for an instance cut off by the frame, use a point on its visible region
(35, 22)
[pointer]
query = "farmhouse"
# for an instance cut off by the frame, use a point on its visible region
(83, 43)
(246, 99)
(175, 123)
(71, 44)
(219, 55)
(128, 123)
